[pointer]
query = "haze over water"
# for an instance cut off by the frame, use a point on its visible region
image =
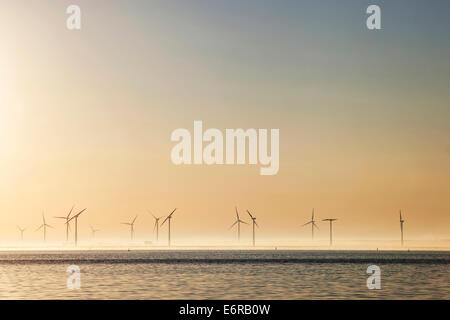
(224, 275)
(86, 116)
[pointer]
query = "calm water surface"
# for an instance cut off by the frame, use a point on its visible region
(224, 275)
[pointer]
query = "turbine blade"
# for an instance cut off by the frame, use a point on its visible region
(249, 214)
(134, 219)
(255, 223)
(307, 223)
(237, 214)
(151, 214)
(172, 212)
(233, 225)
(243, 222)
(39, 228)
(77, 215)
(80, 212)
(169, 216)
(70, 212)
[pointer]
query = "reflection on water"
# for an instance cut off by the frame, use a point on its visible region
(225, 275)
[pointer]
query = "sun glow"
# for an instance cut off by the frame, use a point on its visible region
(3, 104)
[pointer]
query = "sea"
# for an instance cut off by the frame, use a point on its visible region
(224, 274)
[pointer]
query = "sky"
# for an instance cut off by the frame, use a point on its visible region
(86, 116)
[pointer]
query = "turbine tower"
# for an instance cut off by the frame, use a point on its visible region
(401, 226)
(331, 229)
(254, 224)
(131, 224)
(76, 224)
(156, 227)
(238, 222)
(169, 217)
(67, 224)
(313, 224)
(21, 232)
(44, 225)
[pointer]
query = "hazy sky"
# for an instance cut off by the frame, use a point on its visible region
(86, 116)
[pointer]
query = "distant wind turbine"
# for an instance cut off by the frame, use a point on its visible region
(156, 227)
(21, 231)
(67, 224)
(238, 222)
(254, 224)
(44, 225)
(93, 231)
(76, 224)
(401, 226)
(131, 224)
(313, 224)
(169, 217)
(331, 229)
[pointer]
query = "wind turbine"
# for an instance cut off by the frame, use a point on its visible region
(238, 222)
(76, 224)
(169, 217)
(67, 224)
(93, 231)
(254, 224)
(156, 225)
(21, 232)
(401, 225)
(44, 225)
(313, 224)
(331, 229)
(131, 224)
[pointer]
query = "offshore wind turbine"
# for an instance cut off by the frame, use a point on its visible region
(238, 222)
(331, 229)
(169, 217)
(93, 231)
(254, 224)
(76, 224)
(21, 232)
(313, 224)
(131, 224)
(401, 226)
(44, 225)
(156, 227)
(67, 224)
